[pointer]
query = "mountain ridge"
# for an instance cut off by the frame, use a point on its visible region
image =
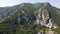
(31, 18)
(28, 8)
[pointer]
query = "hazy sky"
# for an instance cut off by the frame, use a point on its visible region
(4, 3)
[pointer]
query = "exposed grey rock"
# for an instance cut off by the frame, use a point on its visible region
(40, 32)
(50, 32)
(43, 18)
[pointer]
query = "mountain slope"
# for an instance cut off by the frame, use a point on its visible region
(30, 8)
(30, 18)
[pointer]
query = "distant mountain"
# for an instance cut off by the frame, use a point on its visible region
(27, 18)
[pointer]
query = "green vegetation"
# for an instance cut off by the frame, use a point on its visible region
(55, 15)
(56, 31)
(10, 24)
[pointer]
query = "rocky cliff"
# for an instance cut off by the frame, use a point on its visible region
(28, 18)
(43, 18)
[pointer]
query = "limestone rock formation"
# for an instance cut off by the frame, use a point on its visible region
(43, 18)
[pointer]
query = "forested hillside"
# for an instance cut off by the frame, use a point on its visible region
(21, 19)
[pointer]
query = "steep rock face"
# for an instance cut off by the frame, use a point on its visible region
(27, 15)
(43, 18)
(42, 15)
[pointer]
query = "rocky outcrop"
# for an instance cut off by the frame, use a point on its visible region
(41, 32)
(43, 18)
(50, 32)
